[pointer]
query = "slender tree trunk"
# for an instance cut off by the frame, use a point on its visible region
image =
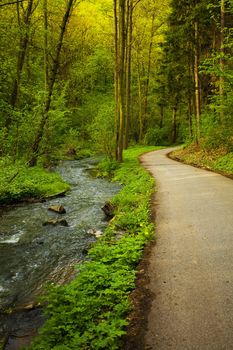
(116, 75)
(121, 78)
(197, 83)
(140, 111)
(128, 73)
(24, 39)
(221, 82)
(46, 54)
(161, 116)
(190, 117)
(174, 122)
(40, 132)
(147, 82)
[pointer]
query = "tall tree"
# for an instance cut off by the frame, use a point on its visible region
(120, 45)
(54, 70)
(24, 40)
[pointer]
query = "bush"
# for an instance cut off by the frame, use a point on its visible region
(157, 136)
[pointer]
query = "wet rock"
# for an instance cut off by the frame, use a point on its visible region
(96, 233)
(55, 222)
(57, 209)
(109, 210)
(21, 327)
(28, 306)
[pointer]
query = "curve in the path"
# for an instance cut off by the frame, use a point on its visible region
(191, 266)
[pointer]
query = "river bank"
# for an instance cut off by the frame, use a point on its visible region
(92, 311)
(31, 254)
(20, 183)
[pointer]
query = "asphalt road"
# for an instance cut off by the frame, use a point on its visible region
(191, 266)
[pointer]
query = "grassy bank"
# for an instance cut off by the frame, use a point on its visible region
(217, 159)
(19, 182)
(91, 312)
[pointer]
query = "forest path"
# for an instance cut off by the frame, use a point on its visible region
(191, 266)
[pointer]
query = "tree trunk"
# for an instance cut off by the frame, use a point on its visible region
(24, 39)
(116, 74)
(46, 54)
(39, 135)
(197, 84)
(190, 118)
(221, 81)
(174, 122)
(147, 82)
(121, 78)
(161, 116)
(128, 72)
(140, 112)
(120, 47)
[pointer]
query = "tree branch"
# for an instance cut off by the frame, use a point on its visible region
(136, 4)
(11, 3)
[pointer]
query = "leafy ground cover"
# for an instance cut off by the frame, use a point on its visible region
(91, 312)
(216, 159)
(19, 182)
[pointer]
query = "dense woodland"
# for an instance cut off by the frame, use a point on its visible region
(81, 75)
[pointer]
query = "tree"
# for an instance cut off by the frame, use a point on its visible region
(54, 70)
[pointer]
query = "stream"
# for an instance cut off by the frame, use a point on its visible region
(31, 254)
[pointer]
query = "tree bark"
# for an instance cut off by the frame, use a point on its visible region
(221, 81)
(174, 122)
(197, 83)
(147, 82)
(140, 106)
(54, 70)
(120, 52)
(46, 54)
(116, 74)
(128, 72)
(161, 116)
(121, 78)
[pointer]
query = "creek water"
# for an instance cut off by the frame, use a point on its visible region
(31, 254)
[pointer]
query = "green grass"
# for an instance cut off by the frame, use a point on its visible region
(19, 182)
(215, 159)
(225, 163)
(91, 312)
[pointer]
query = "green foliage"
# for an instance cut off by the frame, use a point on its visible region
(157, 136)
(18, 182)
(90, 312)
(103, 129)
(213, 158)
(107, 167)
(225, 163)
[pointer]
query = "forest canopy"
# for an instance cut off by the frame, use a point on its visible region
(80, 76)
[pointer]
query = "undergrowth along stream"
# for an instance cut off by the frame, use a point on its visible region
(91, 311)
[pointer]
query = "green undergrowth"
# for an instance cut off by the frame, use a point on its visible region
(91, 312)
(216, 159)
(19, 182)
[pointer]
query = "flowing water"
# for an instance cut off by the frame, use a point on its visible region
(31, 253)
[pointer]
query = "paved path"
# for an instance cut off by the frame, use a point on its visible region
(191, 267)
